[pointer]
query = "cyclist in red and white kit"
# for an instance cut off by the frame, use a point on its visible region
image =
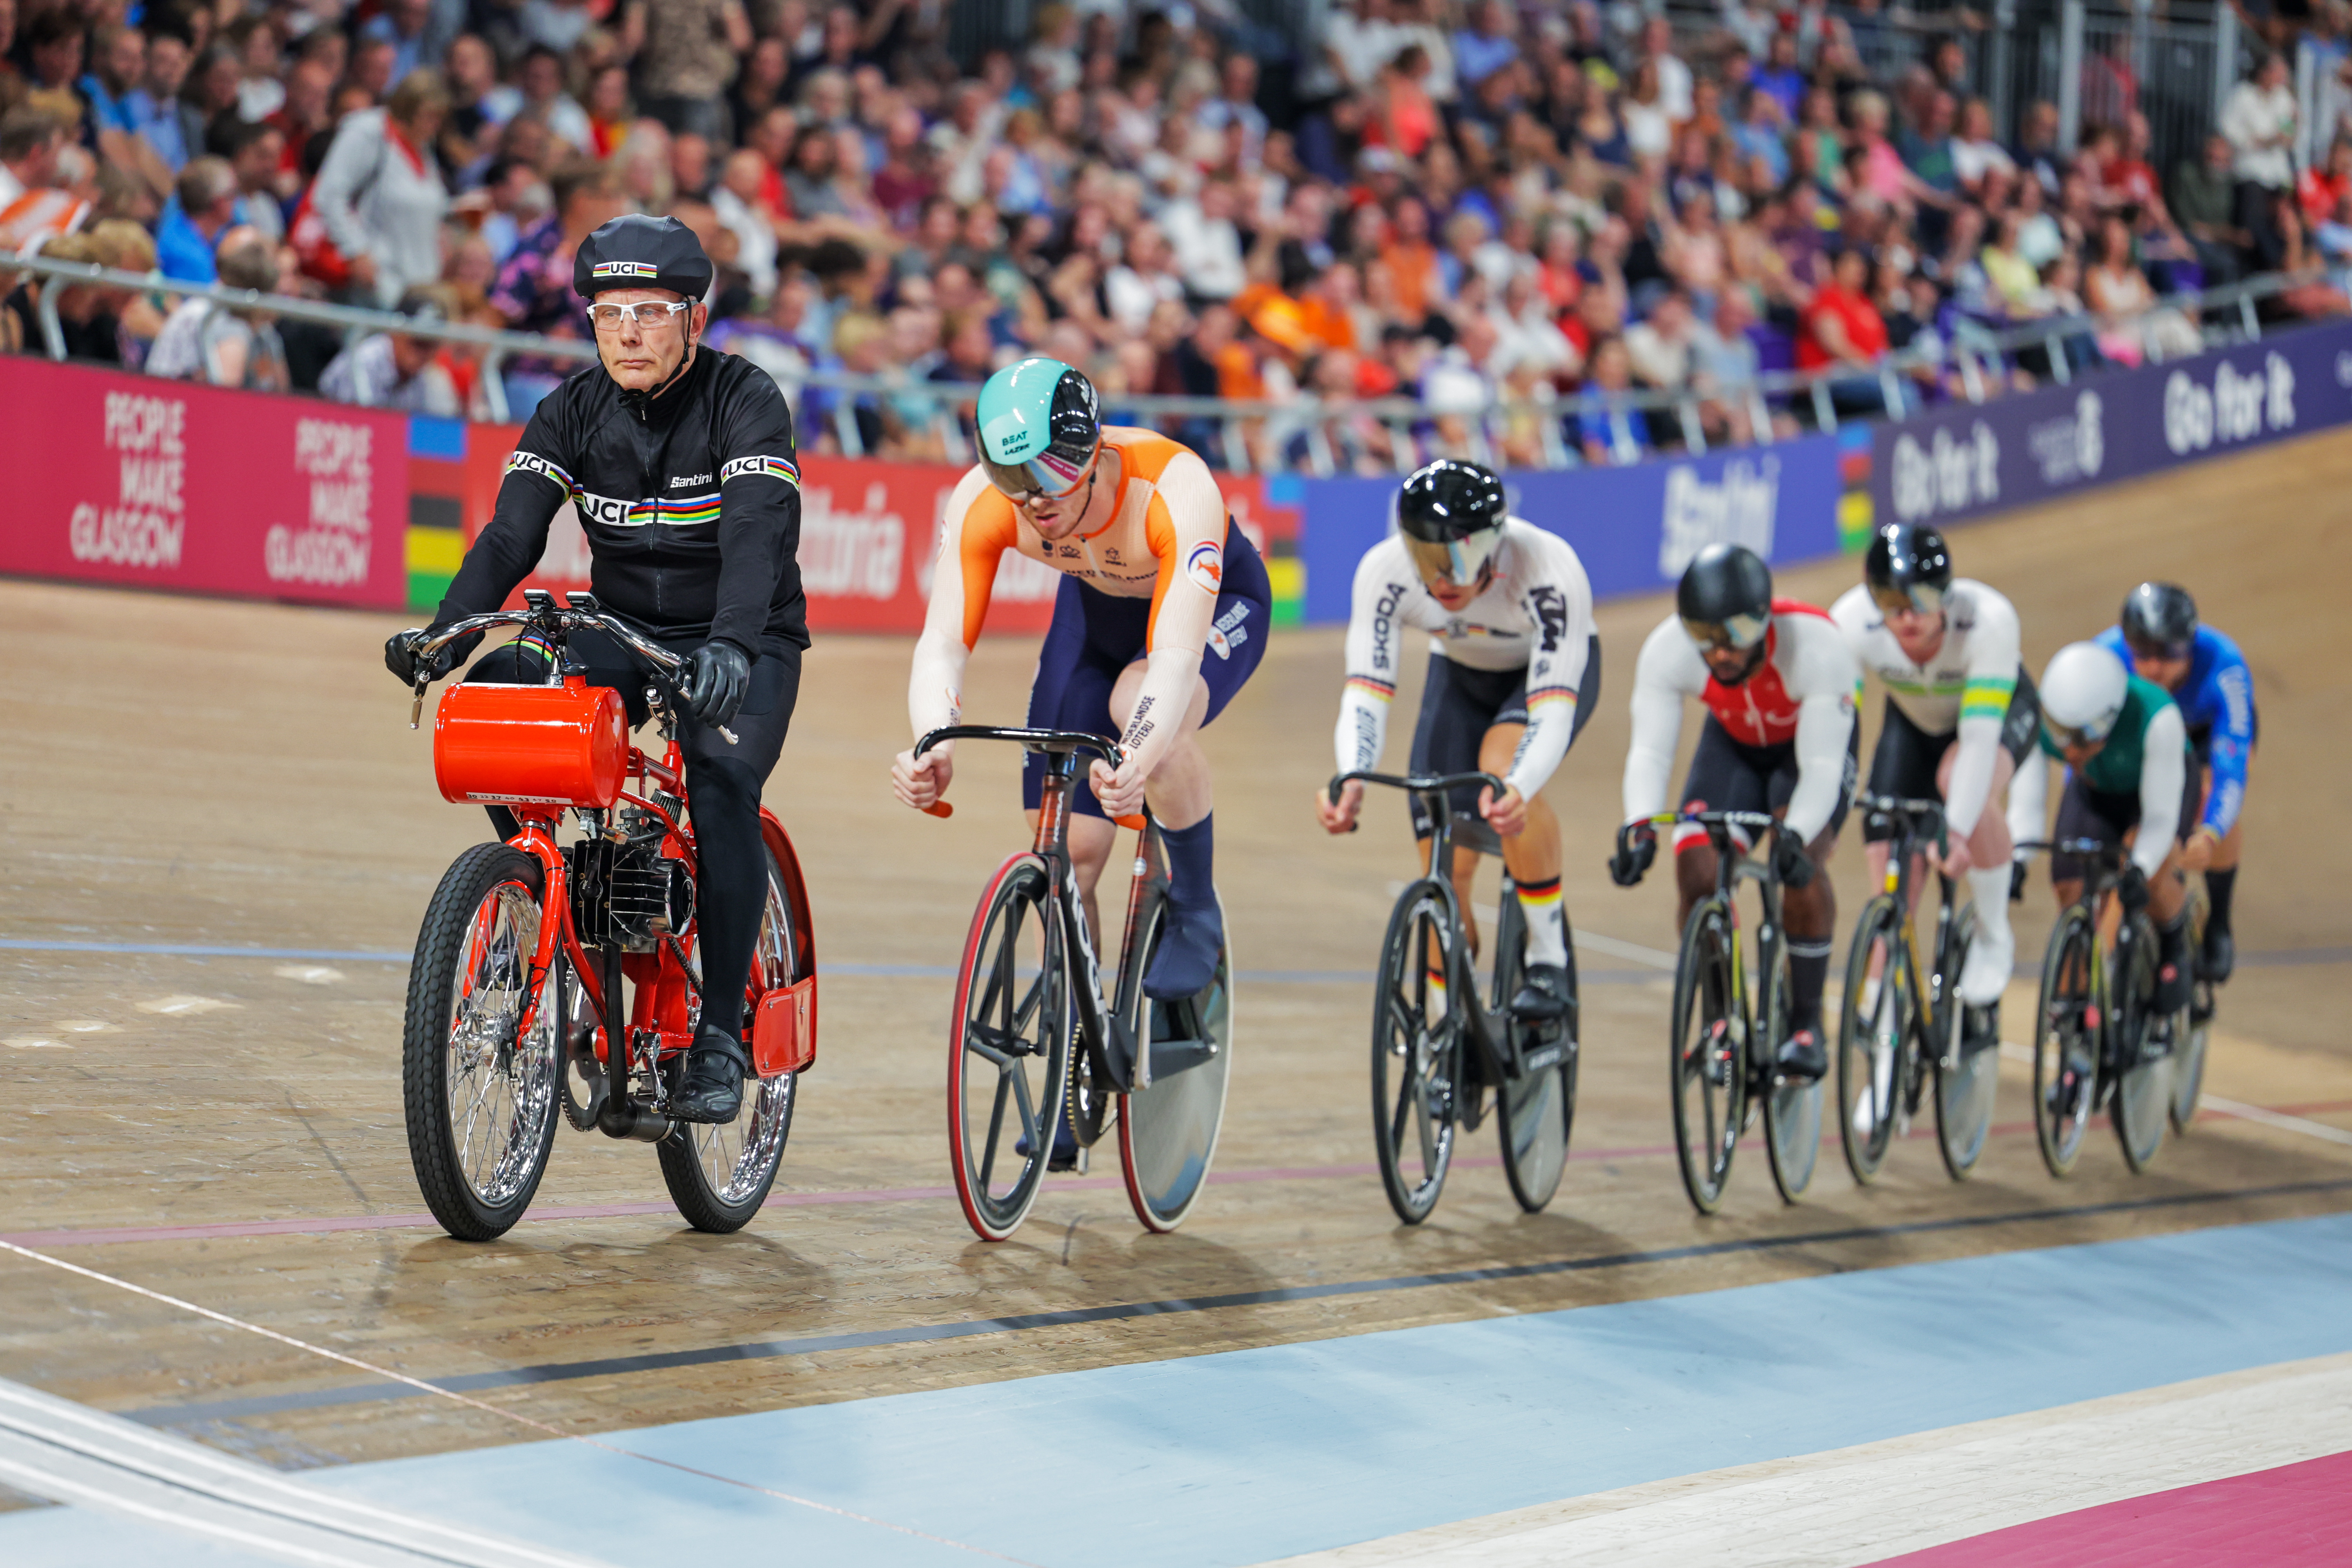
(1780, 685)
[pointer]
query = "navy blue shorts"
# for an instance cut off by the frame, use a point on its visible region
(1096, 637)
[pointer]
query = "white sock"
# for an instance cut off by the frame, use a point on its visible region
(1990, 957)
(1547, 926)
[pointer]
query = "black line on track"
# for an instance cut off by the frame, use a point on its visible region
(767, 1350)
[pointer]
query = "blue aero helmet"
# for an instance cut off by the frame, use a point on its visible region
(1040, 432)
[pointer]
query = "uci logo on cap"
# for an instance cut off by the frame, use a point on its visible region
(624, 270)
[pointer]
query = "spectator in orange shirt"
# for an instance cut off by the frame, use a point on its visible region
(1411, 260)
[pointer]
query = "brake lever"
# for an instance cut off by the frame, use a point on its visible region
(416, 707)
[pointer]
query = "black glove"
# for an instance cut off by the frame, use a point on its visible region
(2017, 881)
(2131, 889)
(400, 656)
(716, 682)
(1635, 851)
(1789, 859)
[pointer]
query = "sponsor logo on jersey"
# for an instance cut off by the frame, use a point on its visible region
(1551, 614)
(624, 270)
(1068, 551)
(782, 468)
(683, 481)
(1206, 566)
(532, 463)
(1219, 644)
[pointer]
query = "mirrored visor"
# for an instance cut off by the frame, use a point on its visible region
(1461, 562)
(1895, 597)
(2063, 736)
(1736, 632)
(1047, 477)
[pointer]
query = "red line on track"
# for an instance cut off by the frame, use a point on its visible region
(2287, 1516)
(327, 1224)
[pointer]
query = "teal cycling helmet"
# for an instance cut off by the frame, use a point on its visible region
(1039, 429)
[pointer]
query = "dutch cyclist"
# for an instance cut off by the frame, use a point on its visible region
(1960, 720)
(1161, 618)
(680, 462)
(1514, 669)
(2160, 638)
(1778, 684)
(2125, 748)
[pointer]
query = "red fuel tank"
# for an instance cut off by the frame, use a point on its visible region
(535, 745)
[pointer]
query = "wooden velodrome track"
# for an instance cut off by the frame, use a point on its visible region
(227, 1130)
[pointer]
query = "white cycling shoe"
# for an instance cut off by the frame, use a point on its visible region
(1986, 973)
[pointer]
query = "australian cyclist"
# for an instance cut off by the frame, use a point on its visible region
(1513, 670)
(2125, 748)
(2159, 636)
(681, 463)
(1778, 684)
(1960, 718)
(1161, 618)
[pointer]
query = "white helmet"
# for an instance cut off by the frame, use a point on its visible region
(2081, 694)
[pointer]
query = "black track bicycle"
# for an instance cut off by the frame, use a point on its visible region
(1035, 1048)
(1727, 1029)
(1438, 1045)
(1900, 1028)
(2189, 1048)
(2099, 1042)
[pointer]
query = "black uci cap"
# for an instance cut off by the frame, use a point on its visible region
(640, 252)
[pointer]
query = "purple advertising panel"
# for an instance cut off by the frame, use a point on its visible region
(1972, 459)
(1634, 528)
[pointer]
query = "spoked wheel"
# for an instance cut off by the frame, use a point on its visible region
(719, 1176)
(480, 1098)
(1416, 1052)
(1874, 1026)
(1538, 1108)
(1706, 1070)
(2191, 1032)
(1964, 1084)
(2065, 1043)
(1167, 1131)
(2142, 1101)
(1792, 1109)
(1009, 1062)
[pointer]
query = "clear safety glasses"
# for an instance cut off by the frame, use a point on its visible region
(648, 316)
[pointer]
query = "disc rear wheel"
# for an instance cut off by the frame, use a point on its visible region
(1168, 1130)
(1538, 1108)
(1966, 1084)
(1706, 1066)
(1793, 1107)
(1009, 1060)
(2191, 1032)
(1416, 1052)
(2142, 1106)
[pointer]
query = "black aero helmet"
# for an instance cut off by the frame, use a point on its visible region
(636, 252)
(1451, 514)
(2159, 620)
(1908, 568)
(1725, 599)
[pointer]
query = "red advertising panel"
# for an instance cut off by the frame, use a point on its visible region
(124, 479)
(868, 532)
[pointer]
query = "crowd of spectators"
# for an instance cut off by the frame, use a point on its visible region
(1521, 216)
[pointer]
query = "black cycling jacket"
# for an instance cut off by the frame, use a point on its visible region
(691, 504)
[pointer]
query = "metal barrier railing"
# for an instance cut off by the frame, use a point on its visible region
(1242, 432)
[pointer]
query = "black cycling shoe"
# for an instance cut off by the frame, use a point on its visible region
(1979, 1028)
(1801, 1057)
(1542, 997)
(1186, 959)
(2173, 984)
(2219, 955)
(712, 1088)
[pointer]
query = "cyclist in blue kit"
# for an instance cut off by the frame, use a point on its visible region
(2160, 639)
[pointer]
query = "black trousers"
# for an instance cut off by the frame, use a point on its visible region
(723, 787)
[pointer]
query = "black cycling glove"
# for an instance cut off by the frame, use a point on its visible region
(1789, 859)
(400, 655)
(715, 682)
(1635, 851)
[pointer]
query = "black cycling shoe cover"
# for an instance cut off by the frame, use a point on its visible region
(711, 1089)
(1979, 1028)
(1543, 997)
(1186, 959)
(2220, 957)
(1801, 1057)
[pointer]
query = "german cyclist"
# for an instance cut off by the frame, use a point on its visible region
(680, 462)
(2159, 636)
(2125, 748)
(1513, 670)
(1779, 685)
(1960, 718)
(1159, 619)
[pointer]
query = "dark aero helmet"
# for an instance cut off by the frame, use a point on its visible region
(1908, 568)
(1726, 597)
(1040, 432)
(2160, 620)
(1451, 514)
(639, 252)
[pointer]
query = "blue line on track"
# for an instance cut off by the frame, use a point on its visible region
(1238, 1457)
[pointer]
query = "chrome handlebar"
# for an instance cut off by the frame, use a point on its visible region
(544, 614)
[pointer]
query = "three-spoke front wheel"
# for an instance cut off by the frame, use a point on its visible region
(1009, 1060)
(1417, 1051)
(479, 1092)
